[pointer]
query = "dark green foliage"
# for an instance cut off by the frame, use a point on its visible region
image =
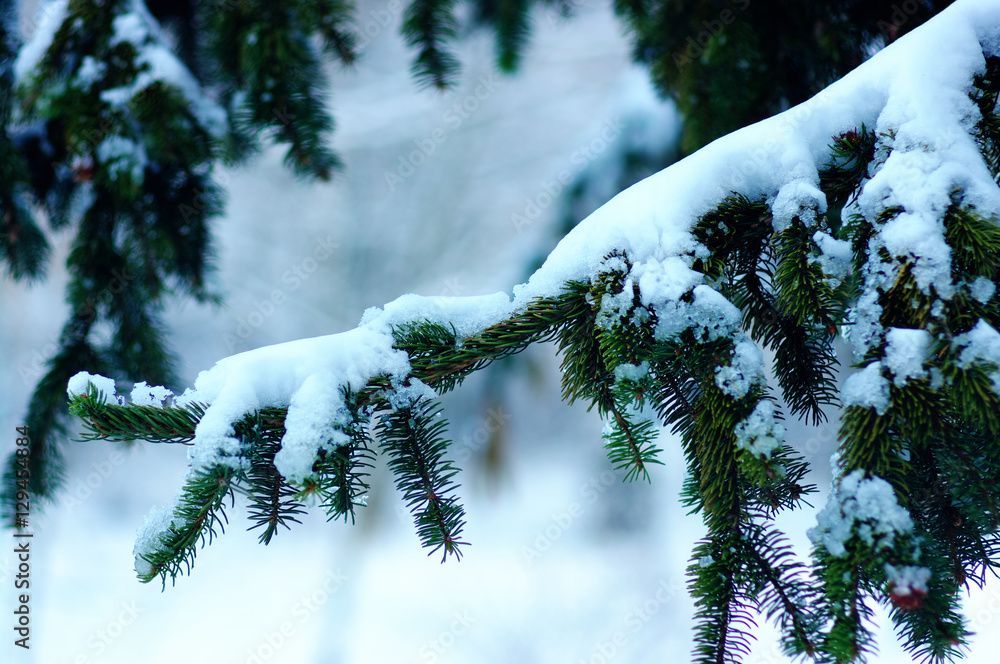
(428, 26)
(776, 53)
(23, 246)
(751, 262)
(412, 439)
(265, 60)
(986, 88)
(272, 500)
(272, 75)
(341, 473)
(631, 444)
(852, 153)
(930, 450)
(199, 517)
(512, 25)
(143, 234)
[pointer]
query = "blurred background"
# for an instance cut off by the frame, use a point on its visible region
(567, 563)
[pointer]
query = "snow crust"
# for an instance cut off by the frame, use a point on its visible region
(79, 383)
(147, 540)
(801, 198)
(760, 433)
(835, 255)
(982, 289)
(905, 353)
(745, 370)
(149, 395)
(981, 344)
(860, 506)
(631, 372)
(867, 388)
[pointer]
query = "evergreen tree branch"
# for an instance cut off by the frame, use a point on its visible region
(411, 437)
(428, 25)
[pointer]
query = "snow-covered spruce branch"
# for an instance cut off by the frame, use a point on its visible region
(871, 211)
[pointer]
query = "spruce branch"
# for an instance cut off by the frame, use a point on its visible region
(631, 445)
(412, 439)
(272, 500)
(984, 93)
(199, 511)
(428, 25)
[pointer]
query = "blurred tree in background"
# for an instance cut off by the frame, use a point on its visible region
(114, 114)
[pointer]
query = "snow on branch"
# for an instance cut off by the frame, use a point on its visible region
(868, 211)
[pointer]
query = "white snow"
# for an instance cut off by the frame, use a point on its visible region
(745, 369)
(905, 353)
(760, 433)
(711, 315)
(149, 395)
(147, 540)
(90, 72)
(866, 329)
(801, 199)
(131, 28)
(105, 387)
(981, 344)
(907, 579)
(982, 289)
(663, 281)
(120, 154)
(631, 372)
(468, 315)
(863, 507)
(835, 255)
(403, 396)
(275, 375)
(867, 388)
(32, 52)
(615, 305)
(158, 64)
(317, 418)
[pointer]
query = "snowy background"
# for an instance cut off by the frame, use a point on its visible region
(567, 564)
